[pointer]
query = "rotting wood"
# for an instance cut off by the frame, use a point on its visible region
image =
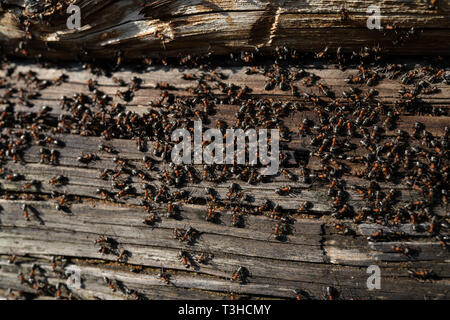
(170, 28)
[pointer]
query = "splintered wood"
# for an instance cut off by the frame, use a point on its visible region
(170, 28)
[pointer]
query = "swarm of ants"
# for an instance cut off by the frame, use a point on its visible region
(352, 136)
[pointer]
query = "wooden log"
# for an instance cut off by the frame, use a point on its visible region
(314, 254)
(171, 28)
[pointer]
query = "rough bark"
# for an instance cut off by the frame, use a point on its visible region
(179, 27)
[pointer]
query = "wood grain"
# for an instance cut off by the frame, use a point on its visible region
(315, 255)
(170, 28)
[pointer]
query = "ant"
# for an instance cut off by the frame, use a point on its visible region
(87, 158)
(58, 180)
(164, 276)
(241, 274)
(422, 275)
(151, 220)
(184, 258)
(343, 14)
(26, 213)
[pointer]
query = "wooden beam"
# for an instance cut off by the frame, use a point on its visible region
(171, 28)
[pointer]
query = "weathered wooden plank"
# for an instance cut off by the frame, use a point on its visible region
(86, 186)
(332, 77)
(315, 254)
(172, 27)
(415, 251)
(148, 284)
